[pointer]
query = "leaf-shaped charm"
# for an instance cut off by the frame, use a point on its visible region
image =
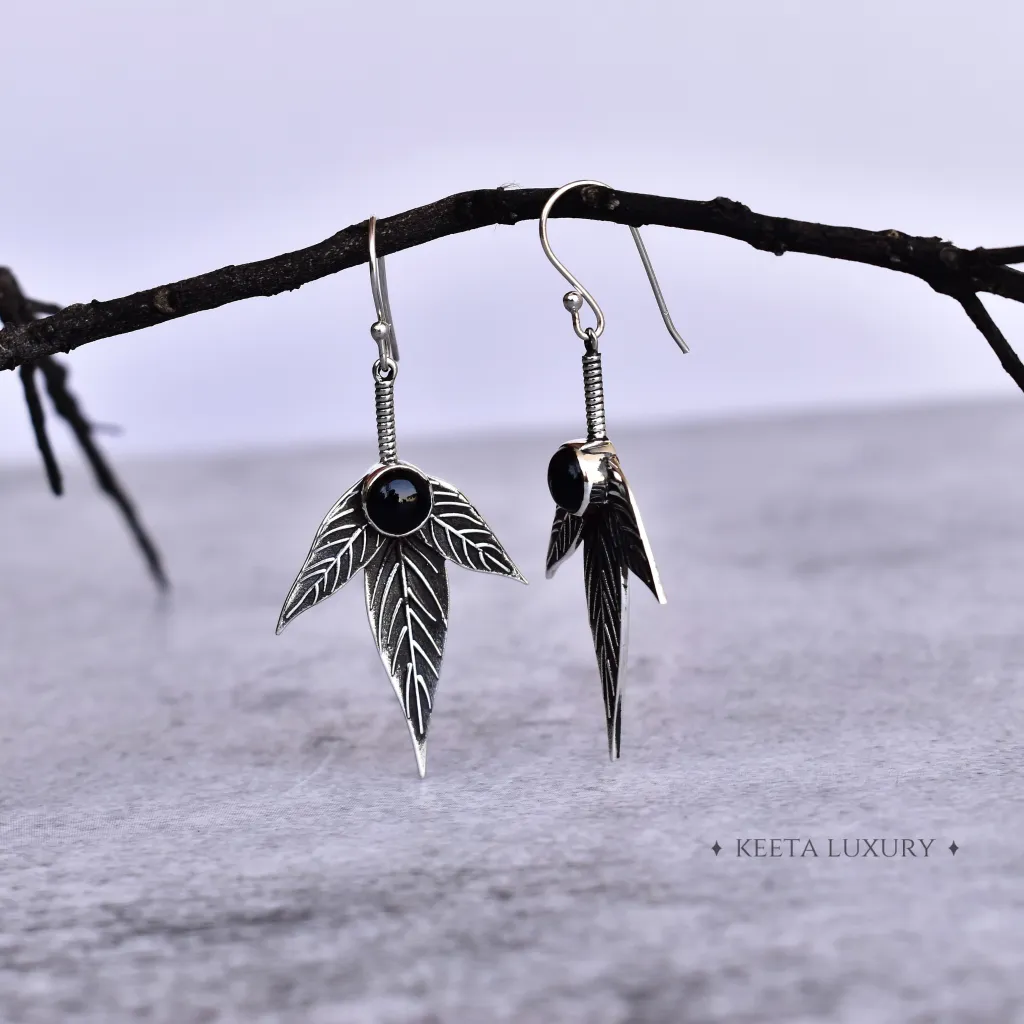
(632, 536)
(399, 525)
(606, 577)
(595, 506)
(566, 535)
(407, 602)
(343, 544)
(458, 531)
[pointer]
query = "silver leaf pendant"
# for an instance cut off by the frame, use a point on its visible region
(596, 508)
(595, 505)
(400, 525)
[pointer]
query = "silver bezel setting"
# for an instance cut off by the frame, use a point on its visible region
(595, 467)
(378, 471)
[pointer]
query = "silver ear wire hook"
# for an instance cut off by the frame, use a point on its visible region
(573, 300)
(383, 330)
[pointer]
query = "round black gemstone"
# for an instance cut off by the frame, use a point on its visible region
(565, 480)
(397, 501)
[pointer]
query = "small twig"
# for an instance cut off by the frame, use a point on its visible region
(38, 419)
(66, 406)
(1014, 254)
(37, 308)
(975, 309)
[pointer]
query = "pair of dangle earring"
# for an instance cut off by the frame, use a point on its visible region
(595, 506)
(400, 526)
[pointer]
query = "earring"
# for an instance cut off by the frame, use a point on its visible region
(595, 505)
(399, 525)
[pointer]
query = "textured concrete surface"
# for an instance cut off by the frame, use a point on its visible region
(200, 821)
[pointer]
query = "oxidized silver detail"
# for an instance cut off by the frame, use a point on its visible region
(606, 578)
(343, 544)
(566, 537)
(406, 590)
(459, 532)
(632, 535)
(614, 544)
(406, 585)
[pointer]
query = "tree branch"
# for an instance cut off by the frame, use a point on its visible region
(941, 265)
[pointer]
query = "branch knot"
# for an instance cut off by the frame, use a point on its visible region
(163, 301)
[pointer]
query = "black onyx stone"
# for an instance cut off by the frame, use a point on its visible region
(565, 480)
(397, 501)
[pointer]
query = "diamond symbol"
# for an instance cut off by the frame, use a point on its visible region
(953, 847)
(716, 848)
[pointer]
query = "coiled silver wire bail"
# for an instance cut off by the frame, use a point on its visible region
(593, 389)
(384, 405)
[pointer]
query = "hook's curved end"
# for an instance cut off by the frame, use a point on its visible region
(383, 331)
(658, 297)
(591, 334)
(584, 334)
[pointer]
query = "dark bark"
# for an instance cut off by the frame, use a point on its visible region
(37, 417)
(959, 273)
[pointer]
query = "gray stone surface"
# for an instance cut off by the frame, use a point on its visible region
(201, 821)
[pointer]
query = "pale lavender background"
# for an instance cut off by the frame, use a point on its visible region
(145, 142)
